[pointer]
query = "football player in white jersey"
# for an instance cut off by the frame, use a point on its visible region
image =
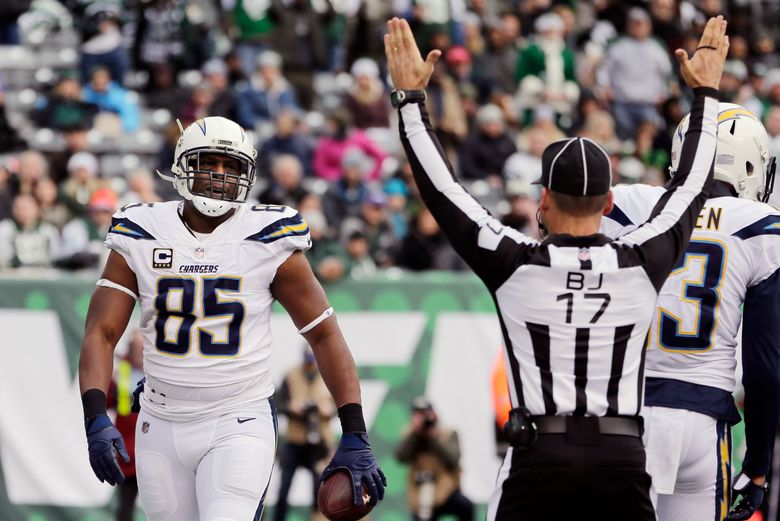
(206, 271)
(732, 261)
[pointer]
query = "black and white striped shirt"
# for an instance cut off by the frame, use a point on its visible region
(574, 311)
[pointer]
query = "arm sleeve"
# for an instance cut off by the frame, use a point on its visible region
(117, 242)
(284, 233)
(492, 250)
(761, 372)
(294, 233)
(632, 206)
(663, 238)
(126, 228)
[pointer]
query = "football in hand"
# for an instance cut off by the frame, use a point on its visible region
(334, 498)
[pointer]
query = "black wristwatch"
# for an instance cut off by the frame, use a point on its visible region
(399, 98)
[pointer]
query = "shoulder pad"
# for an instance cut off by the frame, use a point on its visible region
(277, 223)
(124, 222)
(767, 225)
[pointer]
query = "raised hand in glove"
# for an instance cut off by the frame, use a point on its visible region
(747, 497)
(103, 440)
(354, 455)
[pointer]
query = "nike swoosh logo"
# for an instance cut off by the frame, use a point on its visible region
(244, 420)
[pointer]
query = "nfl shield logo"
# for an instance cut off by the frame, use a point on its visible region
(145, 427)
(584, 254)
(199, 253)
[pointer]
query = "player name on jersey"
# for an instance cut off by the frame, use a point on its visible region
(709, 219)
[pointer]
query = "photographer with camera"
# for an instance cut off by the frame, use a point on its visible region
(308, 406)
(433, 453)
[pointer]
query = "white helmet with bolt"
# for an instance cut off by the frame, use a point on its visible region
(742, 157)
(213, 136)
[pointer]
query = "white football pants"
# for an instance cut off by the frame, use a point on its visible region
(212, 469)
(689, 459)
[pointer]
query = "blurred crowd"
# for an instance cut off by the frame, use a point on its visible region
(90, 91)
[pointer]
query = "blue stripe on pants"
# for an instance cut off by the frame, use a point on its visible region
(723, 482)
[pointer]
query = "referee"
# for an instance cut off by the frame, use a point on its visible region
(575, 308)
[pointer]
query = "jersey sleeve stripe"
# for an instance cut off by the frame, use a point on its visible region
(619, 216)
(126, 227)
(436, 168)
(287, 227)
(769, 225)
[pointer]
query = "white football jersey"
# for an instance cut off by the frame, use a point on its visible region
(205, 299)
(735, 246)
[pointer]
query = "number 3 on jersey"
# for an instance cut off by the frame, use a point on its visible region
(176, 314)
(702, 291)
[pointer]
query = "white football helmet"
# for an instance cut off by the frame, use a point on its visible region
(742, 157)
(213, 136)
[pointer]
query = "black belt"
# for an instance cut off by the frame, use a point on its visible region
(614, 425)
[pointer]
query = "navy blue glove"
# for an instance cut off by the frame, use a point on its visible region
(103, 439)
(747, 496)
(354, 455)
(136, 405)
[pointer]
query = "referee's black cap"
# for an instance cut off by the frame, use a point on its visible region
(576, 166)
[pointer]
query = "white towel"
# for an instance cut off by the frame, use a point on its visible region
(663, 445)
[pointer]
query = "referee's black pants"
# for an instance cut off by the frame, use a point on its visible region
(565, 477)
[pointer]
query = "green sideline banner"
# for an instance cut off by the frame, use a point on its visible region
(434, 334)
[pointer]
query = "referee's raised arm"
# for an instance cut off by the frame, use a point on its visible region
(574, 308)
(490, 248)
(664, 237)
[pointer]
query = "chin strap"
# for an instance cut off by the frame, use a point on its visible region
(196, 202)
(167, 177)
(769, 182)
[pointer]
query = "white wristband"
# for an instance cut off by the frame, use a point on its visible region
(113, 285)
(317, 321)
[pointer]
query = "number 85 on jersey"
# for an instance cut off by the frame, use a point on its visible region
(201, 311)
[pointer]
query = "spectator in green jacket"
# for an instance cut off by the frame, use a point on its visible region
(546, 70)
